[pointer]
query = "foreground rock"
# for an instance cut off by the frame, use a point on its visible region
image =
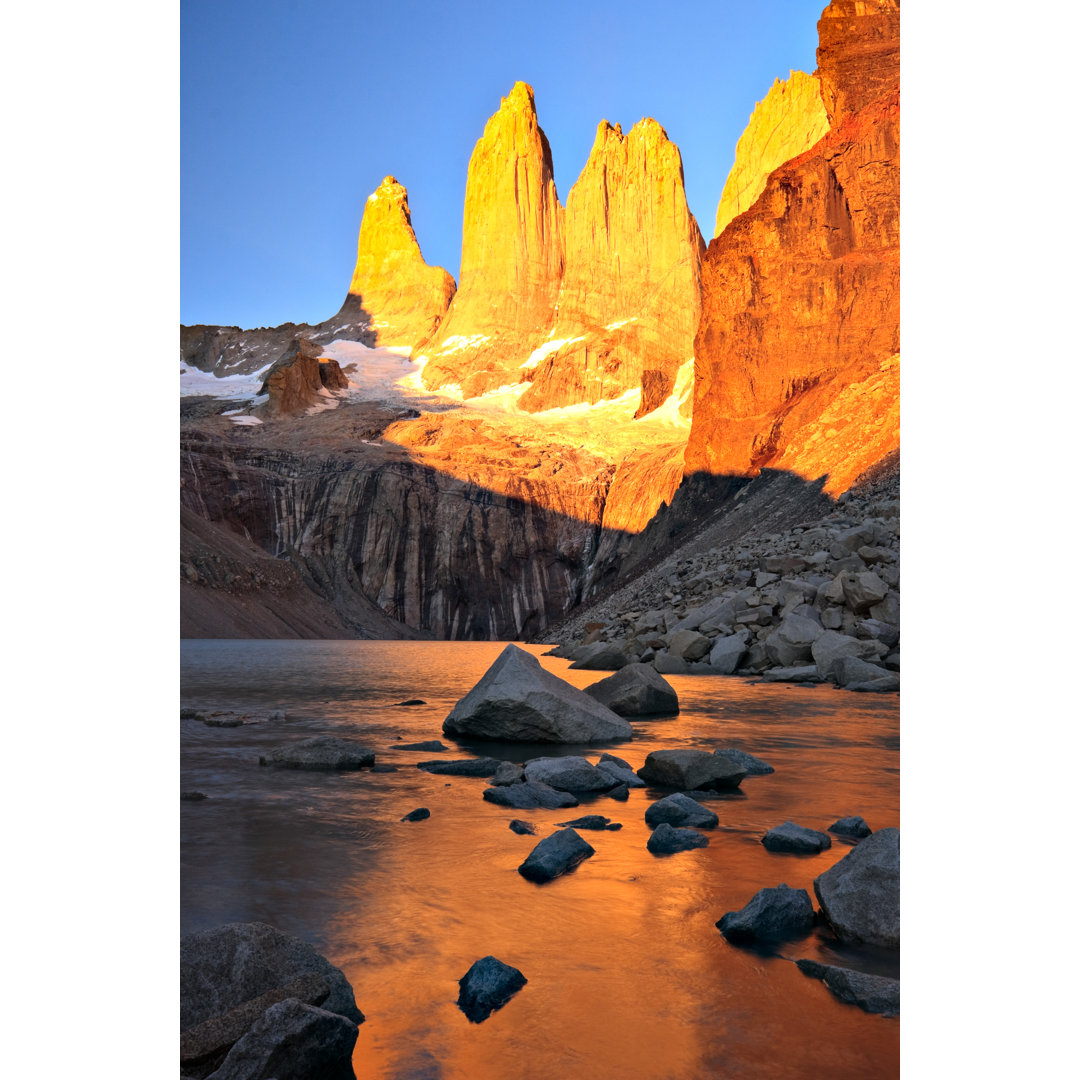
(291, 1039)
(529, 796)
(568, 774)
(850, 826)
(874, 993)
(667, 840)
(796, 839)
(481, 766)
(681, 810)
(636, 690)
(224, 967)
(518, 701)
(690, 769)
(772, 915)
(488, 985)
(555, 855)
(321, 752)
(860, 895)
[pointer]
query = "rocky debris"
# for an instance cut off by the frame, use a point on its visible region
(860, 895)
(481, 766)
(691, 769)
(858, 54)
(667, 840)
(873, 993)
(636, 690)
(418, 814)
(518, 701)
(522, 828)
(555, 855)
(231, 964)
(855, 674)
(321, 752)
(681, 810)
(752, 766)
(597, 822)
(193, 796)
(599, 656)
(432, 746)
(772, 915)
(291, 1039)
(574, 774)
(529, 796)
(409, 703)
(488, 985)
(850, 826)
(797, 839)
(508, 773)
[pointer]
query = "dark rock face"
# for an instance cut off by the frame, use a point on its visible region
(555, 855)
(529, 796)
(323, 752)
(488, 985)
(667, 840)
(850, 826)
(873, 993)
(689, 769)
(681, 810)
(224, 967)
(796, 839)
(772, 915)
(860, 895)
(636, 690)
(291, 1039)
(481, 766)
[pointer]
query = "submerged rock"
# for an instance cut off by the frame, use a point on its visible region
(796, 839)
(873, 993)
(772, 915)
(419, 814)
(555, 855)
(193, 796)
(529, 796)
(518, 701)
(481, 766)
(754, 766)
(488, 985)
(850, 826)
(680, 810)
(321, 752)
(522, 828)
(432, 746)
(591, 821)
(636, 690)
(410, 702)
(667, 840)
(690, 769)
(860, 895)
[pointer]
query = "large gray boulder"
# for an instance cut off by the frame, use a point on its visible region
(488, 985)
(831, 646)
(772, 915)
(568, 774)
(860, 895)
(863, 591)
(873, 993)
(727, 653)
(600, 656)
(688, 644)
(528, 796)
(681, 811)
(555, 855)
(690, 769)
(324, 752)
(620, 773)
(636, 690)
(228, 965)
(518, 701)
(291, 1039)
(850, 670)
(790, 642)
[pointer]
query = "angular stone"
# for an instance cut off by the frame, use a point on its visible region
(600, 656)
(518, 701)
(850, 669)
(753, 766)
(798, 839)
(479, 766)
(488, 985)
(625, 776)
(667, 840)
(727, 653)
(863, 591)
(529, 797)
(596, 822)
(688, 644)
(681, 811)
(881, 631)
(636, 690)
(860, 895)
(555, 855)
(508, 773)
(801, 673)
(831, 646)
(522, 828)
(321, 752)
(872, 993)
(667, 664)
(568, 774)
(772, 915)
(690, 769)
(791, 641)
(850, 826)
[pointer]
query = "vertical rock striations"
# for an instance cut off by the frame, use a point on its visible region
(801, 292)
(630, 297)
(511, 256)
(785, 124)
(400, 295)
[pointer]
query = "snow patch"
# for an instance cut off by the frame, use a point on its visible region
(457, 342)
(545, 350)
(244, 421)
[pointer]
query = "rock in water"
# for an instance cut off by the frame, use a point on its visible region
(797, 839)
(522, 828)
(681, 810)
(481, 766)
(488, 985)
(689, 769)
(321, 752)
(421, 813)
(518, 701)
(772, 915)
(860, 895)
(568, 774)
(529, 796)
(231, 964)
(636, 690)
(754, 766)
(555, 855)
(591, 821)
(850, 826)
(874, 993)
(291, 1039)
(667, 840)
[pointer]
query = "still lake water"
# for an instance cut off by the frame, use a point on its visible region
(628, 975)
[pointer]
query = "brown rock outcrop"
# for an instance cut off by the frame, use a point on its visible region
(858, 54)
(630, 296)
(511, 256)
(784, 124)
(801, 292)
(297, 380)
(403, 298)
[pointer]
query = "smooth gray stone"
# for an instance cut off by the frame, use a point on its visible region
(850, 826)
(529, 796)
(727, 653)
(860, 895)
(568, 774)
(753, 766)
(872, 993)
(555, 855)
(321, 752)
(796, 839)
(481, 766)
(772, 915)
(636, 690)
(667, 664)
(680, 810)
(508, 773)
(488, 985)
(667, 840)
(689, 769)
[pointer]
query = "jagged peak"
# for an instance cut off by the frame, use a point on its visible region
(389, 181)
(606, 132)
(649, 130)
(520, 97)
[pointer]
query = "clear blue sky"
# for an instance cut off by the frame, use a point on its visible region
(292, 111)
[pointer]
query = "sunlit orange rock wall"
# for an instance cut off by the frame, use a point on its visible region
(801, 294)
(858, 54)
(403, 296)
(630, 297)
(511, 256)
(784, 124)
